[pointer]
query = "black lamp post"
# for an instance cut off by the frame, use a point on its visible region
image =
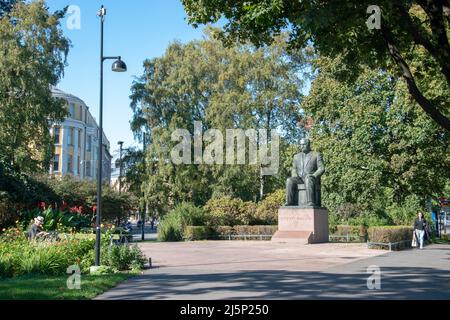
(120, 143)
(118, 66)
(144, 211)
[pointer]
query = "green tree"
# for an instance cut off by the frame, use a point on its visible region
(134, 171)
(6, 6)
(339, 27)
(224, 88)
(33, 58)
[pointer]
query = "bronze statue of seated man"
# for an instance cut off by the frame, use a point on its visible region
(307, 169)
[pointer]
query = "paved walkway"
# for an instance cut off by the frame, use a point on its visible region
(213, 270)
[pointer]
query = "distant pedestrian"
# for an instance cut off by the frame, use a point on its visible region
(420, 227)
(152, 223)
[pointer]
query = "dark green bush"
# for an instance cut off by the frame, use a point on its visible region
(267, 210)
(190, 214)
(172, 225)
(390, 234)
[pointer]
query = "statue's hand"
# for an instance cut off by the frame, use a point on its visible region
(310, 176)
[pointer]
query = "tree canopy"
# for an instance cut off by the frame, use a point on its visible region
(381, 151)
(224, 88)
(6, 6)
(33, 55)
(339, 27)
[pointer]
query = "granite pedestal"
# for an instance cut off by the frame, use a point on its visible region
(305, 225)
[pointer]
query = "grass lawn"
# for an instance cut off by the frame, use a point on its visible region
(55, 288)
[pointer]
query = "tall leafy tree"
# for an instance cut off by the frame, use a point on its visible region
(379, 147)
(339, 27)
(224, 88)
(6, 6)
(33, 54)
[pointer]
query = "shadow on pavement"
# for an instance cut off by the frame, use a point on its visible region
(396, 283)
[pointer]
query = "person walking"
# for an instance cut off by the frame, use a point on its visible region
(420, 225)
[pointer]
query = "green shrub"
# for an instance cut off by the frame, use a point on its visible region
(192, 233)
(267, 210)
(44, 260)
(172, 225)
(390, 234)
(124, 257)
(86, 261)
(7, 265)
(20, 257)
(190, 214)
(402, 215)
(103, 270)
(170, 228)
(229, 211)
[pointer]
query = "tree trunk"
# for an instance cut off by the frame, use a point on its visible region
(424, 103)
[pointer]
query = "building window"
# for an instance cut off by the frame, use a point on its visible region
(72, 110)
(79, 166)
(70, 136)
(56, 163)
(88, 169)
(79, 138)
(70, 164)
(56, 135)
(89, 146)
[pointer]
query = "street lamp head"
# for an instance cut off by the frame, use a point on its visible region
(102, 12)
(119, 66)
(120, 143)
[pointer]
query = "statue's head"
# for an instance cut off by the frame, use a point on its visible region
(305, 145)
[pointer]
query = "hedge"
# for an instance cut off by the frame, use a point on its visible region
(390, 234)
(343, 230)
(255, 230)
(355, 233)
(191, 233)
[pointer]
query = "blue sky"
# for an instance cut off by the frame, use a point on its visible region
(135, 30)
